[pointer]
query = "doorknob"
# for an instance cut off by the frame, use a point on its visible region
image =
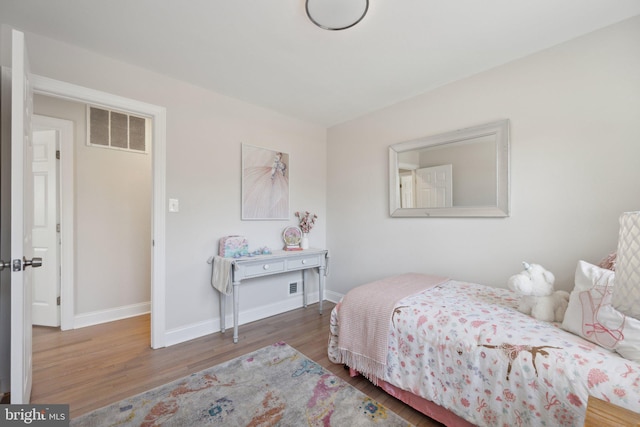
(33, 262)
(17, 265)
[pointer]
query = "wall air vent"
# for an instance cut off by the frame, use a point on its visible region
(117, 130)
(293, 288)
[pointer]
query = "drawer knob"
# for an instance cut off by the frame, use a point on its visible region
(304, 261)
(266, 266)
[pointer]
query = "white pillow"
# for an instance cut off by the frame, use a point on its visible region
(628, 328)
(591, 315)
(593, 288)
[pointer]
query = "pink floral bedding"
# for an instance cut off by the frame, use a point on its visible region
(465, 347)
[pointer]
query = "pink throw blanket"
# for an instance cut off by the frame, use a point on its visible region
(364, 318)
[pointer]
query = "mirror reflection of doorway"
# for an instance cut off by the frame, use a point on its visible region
(406, 190)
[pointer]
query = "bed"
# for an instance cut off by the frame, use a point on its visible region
(462, 354)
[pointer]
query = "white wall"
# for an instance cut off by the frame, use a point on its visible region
(575, 148)
(112, 212)
(204, 136)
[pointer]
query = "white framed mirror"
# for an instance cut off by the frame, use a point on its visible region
(463, 173)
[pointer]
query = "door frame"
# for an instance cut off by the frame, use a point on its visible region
(58, 89)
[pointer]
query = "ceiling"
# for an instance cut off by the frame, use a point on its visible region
(267, 52)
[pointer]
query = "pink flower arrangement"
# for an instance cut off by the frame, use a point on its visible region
(307, 220)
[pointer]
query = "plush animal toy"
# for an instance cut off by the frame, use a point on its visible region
(539, 299)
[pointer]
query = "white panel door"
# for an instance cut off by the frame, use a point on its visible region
(46, 244)
(434, 187)
(21, 214)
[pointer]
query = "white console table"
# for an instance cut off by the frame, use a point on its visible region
(277, 263)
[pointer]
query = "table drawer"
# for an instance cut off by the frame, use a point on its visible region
(306, 262)
(264, 268)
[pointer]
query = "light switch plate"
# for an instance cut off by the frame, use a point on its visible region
(174, 205)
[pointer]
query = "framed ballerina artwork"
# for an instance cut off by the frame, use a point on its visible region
(265, 184)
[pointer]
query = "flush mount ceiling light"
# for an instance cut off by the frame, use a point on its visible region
(336, 14)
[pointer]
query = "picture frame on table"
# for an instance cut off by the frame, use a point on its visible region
(292, 237)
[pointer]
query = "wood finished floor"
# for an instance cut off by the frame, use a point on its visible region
(91, 367)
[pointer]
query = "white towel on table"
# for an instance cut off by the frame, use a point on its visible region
(221, 274)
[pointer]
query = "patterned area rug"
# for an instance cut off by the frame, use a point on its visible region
(273, 386)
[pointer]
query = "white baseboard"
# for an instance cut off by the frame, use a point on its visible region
(197, 330)
(104, 316)
(334, 297)
(200, 329)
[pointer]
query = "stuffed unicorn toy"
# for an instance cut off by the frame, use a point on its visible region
(538, 298)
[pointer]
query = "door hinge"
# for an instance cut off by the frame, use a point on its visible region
(58, 301)
(58, 228)
(58, 154)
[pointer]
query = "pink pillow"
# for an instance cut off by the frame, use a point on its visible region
(609, 262)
